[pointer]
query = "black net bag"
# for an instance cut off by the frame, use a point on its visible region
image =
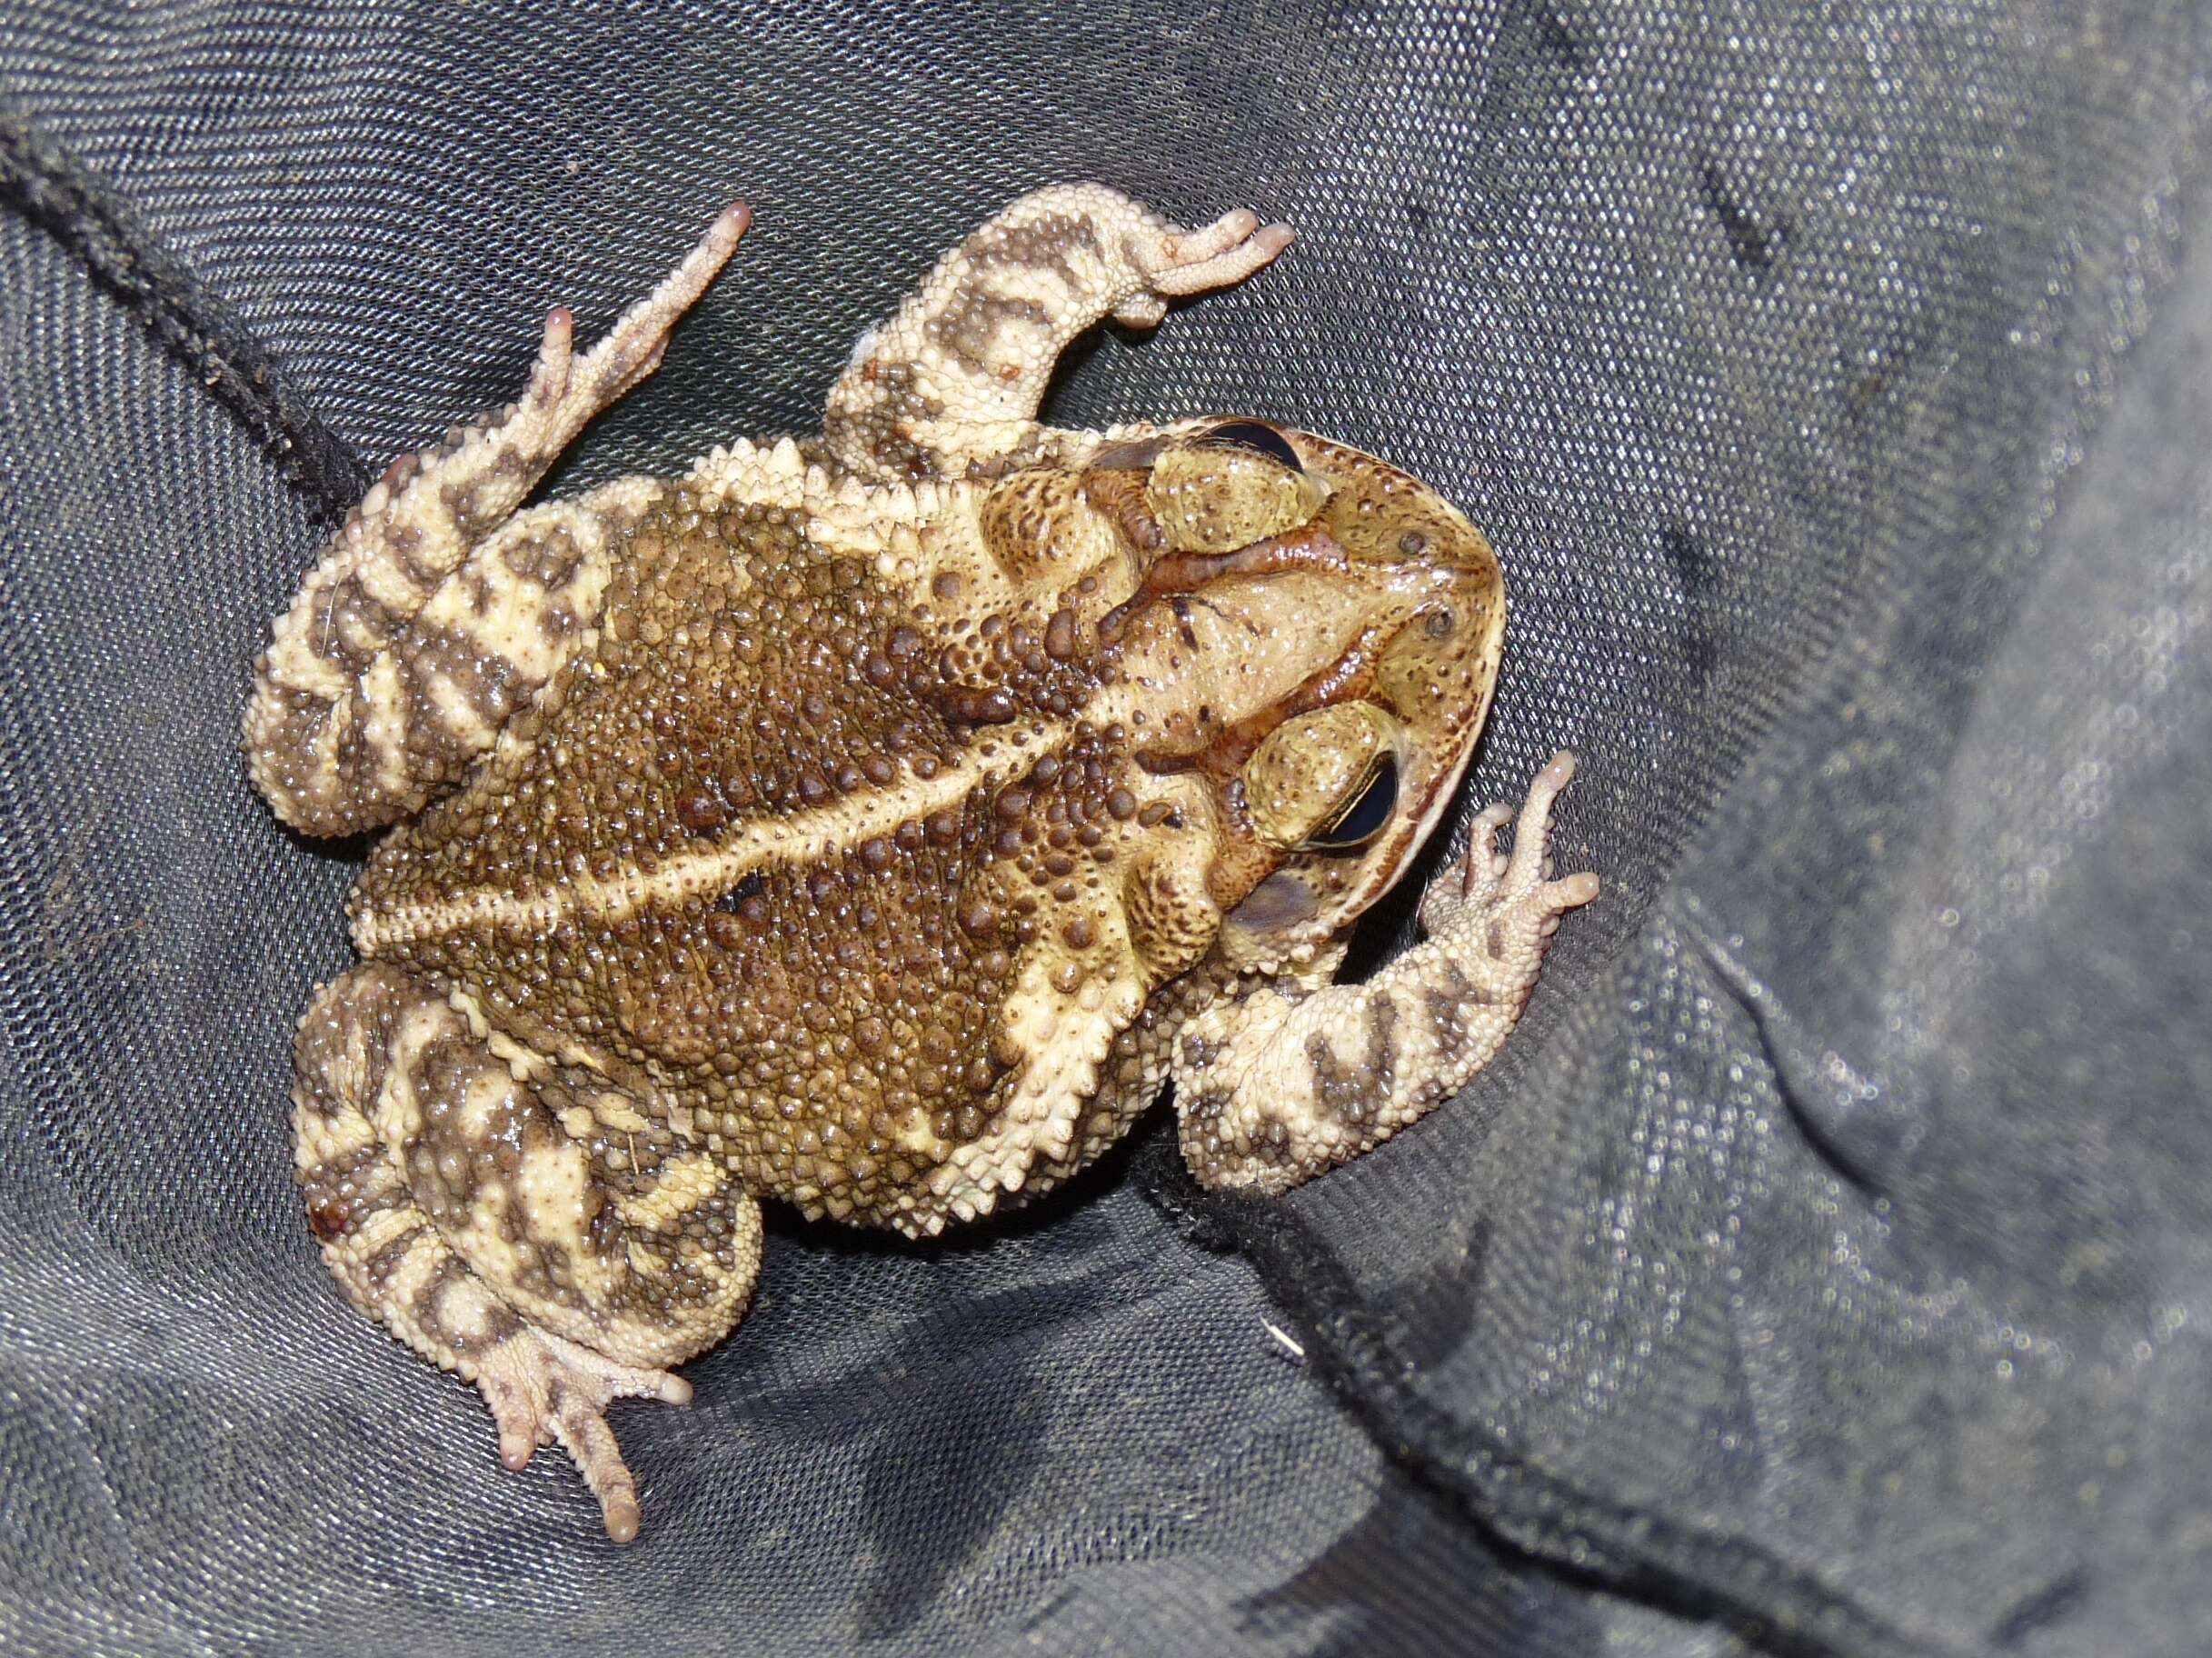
(1826, 1265)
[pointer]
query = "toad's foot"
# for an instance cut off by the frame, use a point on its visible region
(528, 1228)
(437, 610)
(1176, 263)
(543, 1389)
(1276, 1088)
(1488, 881)
(954, 380)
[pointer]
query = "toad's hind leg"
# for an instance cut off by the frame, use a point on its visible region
(434, 612)
(541, 1237)
(956, 377)
(1273, 1090)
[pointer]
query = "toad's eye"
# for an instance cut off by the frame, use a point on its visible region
(1363, 816)
(1256, 437)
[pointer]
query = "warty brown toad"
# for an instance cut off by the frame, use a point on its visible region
(877, 822)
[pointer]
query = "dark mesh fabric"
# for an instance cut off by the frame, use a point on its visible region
(1825, 1267)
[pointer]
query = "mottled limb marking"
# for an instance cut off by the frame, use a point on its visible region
(1274, 1090)
(956, 377)
(549, 1242)
(433, 612)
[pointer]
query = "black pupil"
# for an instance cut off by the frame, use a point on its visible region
(1364, 818)
(1256, 437)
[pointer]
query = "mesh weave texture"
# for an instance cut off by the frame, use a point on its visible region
(1827, 1265)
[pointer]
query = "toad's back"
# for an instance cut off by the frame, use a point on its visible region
(728, 852)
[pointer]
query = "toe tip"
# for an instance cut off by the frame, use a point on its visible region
(621, 1511)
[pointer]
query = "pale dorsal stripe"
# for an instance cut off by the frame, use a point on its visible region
(755, 843)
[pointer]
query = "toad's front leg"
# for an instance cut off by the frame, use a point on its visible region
(536, 1233)
(956, 377)
(1275, 1089)
(435, 612)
